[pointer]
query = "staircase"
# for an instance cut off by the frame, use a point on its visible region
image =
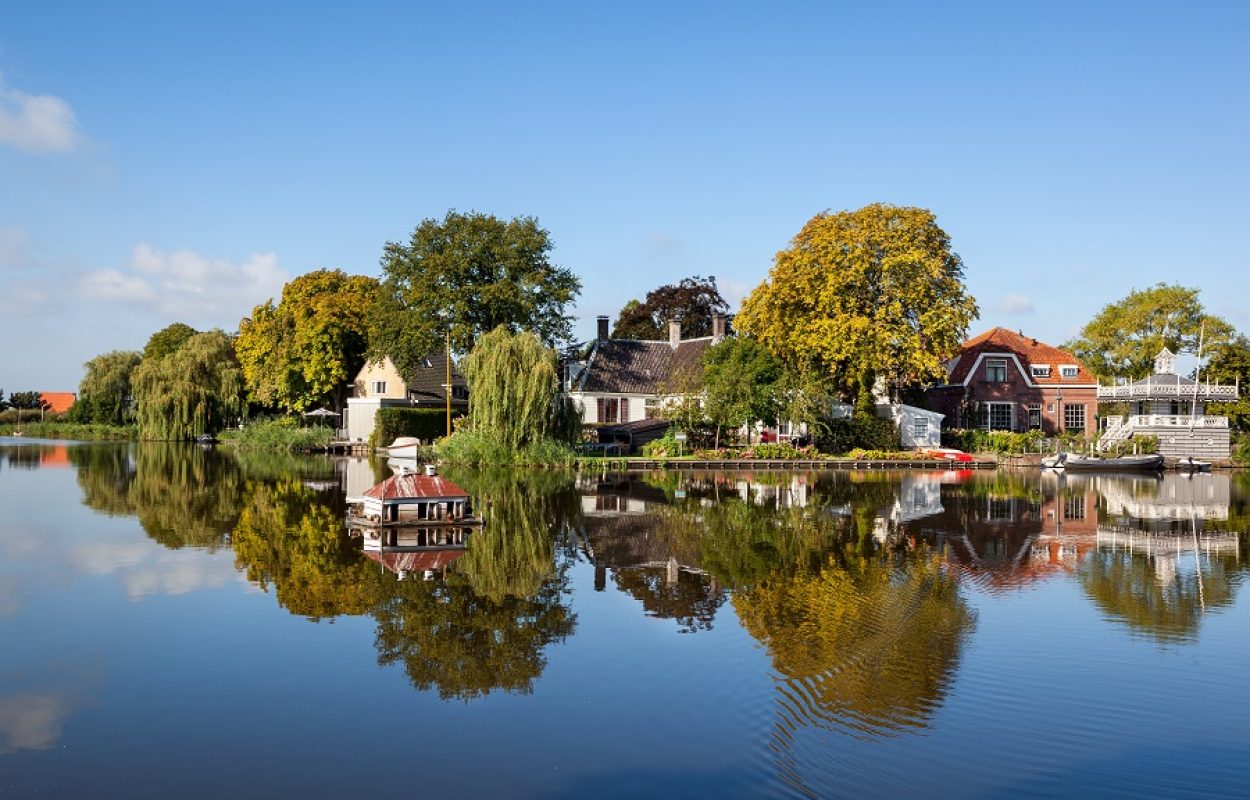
(1117, 431)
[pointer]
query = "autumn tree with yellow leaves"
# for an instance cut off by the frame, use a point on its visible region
(864, 294)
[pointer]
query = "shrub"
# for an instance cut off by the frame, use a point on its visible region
(282, 433)
(975, 440)
(1241, 450)
(426, 424)
(869, 433)
(474, 448)
(72, 431)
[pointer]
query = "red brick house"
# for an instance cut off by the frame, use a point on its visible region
(1003, 380)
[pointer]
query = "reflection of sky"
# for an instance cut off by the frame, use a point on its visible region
(31, 721)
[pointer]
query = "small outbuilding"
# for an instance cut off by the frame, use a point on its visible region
(414, 497)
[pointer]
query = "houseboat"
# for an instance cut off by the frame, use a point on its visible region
(409, 499)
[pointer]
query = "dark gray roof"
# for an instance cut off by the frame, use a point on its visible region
(427, 382)
(630, 366)
(1164, 379)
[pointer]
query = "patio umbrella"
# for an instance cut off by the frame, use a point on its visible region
(321, 414)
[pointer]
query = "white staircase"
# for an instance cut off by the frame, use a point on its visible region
(1117, 430)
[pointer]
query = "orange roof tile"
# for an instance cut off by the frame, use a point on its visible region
(59, 402)
(1030, 351)
(416, 485)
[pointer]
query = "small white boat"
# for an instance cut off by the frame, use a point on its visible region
(1191, 465)
(403, 447)
(1146, 463)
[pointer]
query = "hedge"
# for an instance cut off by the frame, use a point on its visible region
(868, 433)
(426, 424)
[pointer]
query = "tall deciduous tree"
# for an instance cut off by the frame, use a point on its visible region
(104, 395)
(1123, 339)
(862, 294)
(303, 350)
(466, 275)
(692, 300)
(27, 400)
(167, 340)
(740, 381)
(196, 389)
(513, 385)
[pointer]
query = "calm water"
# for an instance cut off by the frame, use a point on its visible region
(183, 623)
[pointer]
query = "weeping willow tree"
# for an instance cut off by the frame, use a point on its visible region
(514, 391)
(196, 389)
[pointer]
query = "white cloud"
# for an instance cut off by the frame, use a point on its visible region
(1016, 304)
(187, 286)
(37, 123)
(31, 721)
(146, 569)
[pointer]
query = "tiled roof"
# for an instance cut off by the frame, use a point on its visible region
(629, 366)
(59, 402)
(1030, 351)
(428, 381)
(415, 485)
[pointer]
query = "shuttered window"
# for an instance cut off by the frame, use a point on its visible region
(624, 409)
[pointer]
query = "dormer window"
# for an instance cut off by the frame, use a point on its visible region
(996, 370)
(1068, 371)
(425, 362)
(1040, 370)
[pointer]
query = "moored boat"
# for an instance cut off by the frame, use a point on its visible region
(403, 447)
(949, 453)
(1143, 463)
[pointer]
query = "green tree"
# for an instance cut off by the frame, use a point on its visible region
(514, 390)
(105, 395)
(692, 300)
(167, 340)
(1230, 363)
(31, 400)
(740, 381)
(303, 350)
(862, 294)
(196, 389)
(1123, 339)
(466, 275)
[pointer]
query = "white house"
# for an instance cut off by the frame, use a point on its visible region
(380, 385)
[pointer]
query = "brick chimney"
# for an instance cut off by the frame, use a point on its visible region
(674, 333)
(603, 328)
(718, 327)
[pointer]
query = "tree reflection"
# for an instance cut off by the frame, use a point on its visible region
(865, 644)
(485, 625)
(1163, 596)
(289, 537)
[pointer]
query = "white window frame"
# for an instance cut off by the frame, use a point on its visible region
(378, 387)
(1067, 426)
(989, 416)
(1069, 371)
(1035, 409)
(919, 427)
(992, 366)
(1039, 370)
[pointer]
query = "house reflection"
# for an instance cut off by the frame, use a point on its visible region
(631, 532)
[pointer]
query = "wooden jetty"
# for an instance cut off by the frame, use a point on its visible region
(649, 464)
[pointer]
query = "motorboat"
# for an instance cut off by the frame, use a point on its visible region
(1079, 463)
(1191, 465)
(403, 447)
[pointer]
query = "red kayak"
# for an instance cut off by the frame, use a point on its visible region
(948, 453)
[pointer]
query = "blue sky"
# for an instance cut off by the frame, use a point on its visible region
(164, 162)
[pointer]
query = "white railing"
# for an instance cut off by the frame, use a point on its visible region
(1206, 392)
(1175, 421)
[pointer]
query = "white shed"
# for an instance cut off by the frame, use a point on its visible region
(917, 427)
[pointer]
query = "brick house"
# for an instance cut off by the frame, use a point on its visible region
(1003, 380)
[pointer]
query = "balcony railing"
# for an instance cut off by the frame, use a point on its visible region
(1207, 393)
(1175, 421)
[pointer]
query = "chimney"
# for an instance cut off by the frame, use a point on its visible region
(718, 327)
(674, 333)
(603, 328)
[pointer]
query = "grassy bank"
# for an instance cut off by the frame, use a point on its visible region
(76, 431)
(469, 448)
(278, 434)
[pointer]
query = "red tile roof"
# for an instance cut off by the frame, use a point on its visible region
(59, 402)
(433, 487)
(1030, 351)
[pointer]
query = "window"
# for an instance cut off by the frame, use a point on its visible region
(1074, 506)
(1068, 371)
(1040, 370)
(999, 508)
(624, 409)
(920, 427)
(1035, 417)
(609, 409)
(651, 408)
(1074, 416)
(999, 416)
(379, 387)
(996, 370)
(459, 393)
